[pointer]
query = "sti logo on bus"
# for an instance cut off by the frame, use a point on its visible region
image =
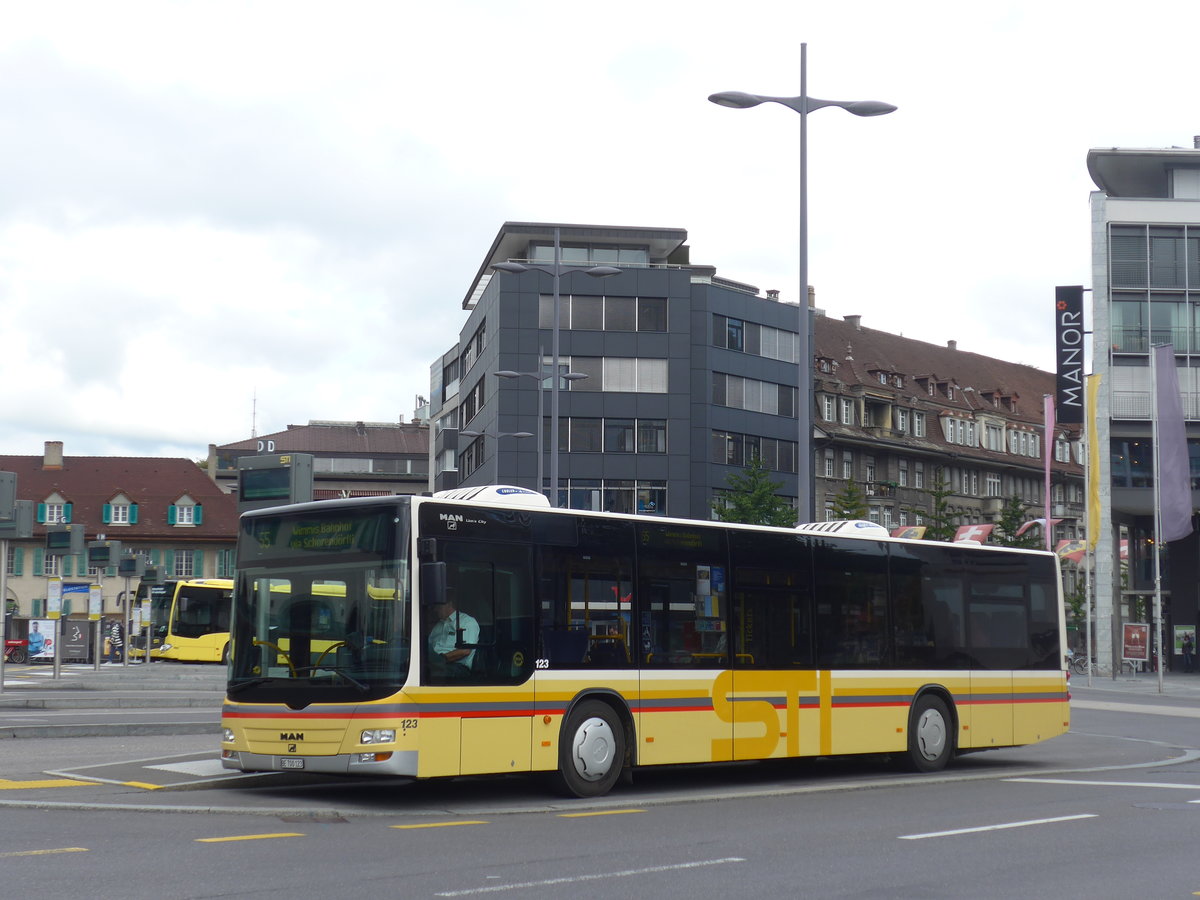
(452, 520)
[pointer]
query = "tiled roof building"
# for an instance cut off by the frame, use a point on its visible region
(167, 510)
(892, 413)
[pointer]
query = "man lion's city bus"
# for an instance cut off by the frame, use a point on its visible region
(189, 620)
(589, 643)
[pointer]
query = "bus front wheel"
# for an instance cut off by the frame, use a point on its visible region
(591, 750)
(930, 735)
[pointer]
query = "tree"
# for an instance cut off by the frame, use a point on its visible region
(751, 499)
(1012, 517)
(850, 503)
(940, 527)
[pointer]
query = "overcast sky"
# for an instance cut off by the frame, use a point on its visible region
(205, 203)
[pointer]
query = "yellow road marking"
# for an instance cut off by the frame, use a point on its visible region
(55, 783)
(603, 812)
(43, 852)
(142, 784)
(437, 825)
(249, 837)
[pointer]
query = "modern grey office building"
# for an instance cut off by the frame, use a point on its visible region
(689, 376)
(1146, 292)
(636, 434)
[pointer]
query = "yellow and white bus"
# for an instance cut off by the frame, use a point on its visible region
(189, 620)
(588, 643)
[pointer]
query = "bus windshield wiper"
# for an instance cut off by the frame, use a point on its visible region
(249, 683)
(337, 670)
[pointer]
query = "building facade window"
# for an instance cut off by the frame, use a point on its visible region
(757, 340)
(620, 374)
(737, 392)
(590, 313)
(827, 408)
(734, 449)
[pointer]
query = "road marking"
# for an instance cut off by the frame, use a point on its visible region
(201, 767)
(1001, 827)
(43, 852)
(1137, 784)
(145, 785)
(576, 879)
(53, 783)
(249, 837)
(1144, 709)
(437, 825)
(604, 812)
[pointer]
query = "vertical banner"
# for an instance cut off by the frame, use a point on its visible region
(1173, 480)
(1093, 464)
(1068, 348)
(1047, 455)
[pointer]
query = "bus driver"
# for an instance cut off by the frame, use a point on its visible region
(447, 658)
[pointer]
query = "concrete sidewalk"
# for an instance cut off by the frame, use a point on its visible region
(160, 698)
(1179, 685)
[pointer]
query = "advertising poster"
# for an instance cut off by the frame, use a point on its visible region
(1136, 642)
(41, 639)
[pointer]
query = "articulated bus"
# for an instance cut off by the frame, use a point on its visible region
(189, 620)
(583, 644)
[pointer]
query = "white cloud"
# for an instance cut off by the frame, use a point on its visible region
(205, 203)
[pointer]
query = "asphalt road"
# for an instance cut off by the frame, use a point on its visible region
(1108, 810)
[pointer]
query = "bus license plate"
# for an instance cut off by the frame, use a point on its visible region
(291, 763)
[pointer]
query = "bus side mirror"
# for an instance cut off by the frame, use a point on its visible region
(433, 583)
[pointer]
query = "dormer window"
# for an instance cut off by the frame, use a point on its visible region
(185, 511)
(119, 511)
(54, 511)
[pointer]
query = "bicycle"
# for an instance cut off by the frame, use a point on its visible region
(16, 651)
(1081, 665)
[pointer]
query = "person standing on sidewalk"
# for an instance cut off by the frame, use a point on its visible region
(1189, 652)
(116, 641)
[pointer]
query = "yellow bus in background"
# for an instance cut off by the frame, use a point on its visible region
(585, 644)
(189, 620)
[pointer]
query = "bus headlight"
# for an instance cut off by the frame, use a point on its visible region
(227, 735)
(164, 646)
(378, 736)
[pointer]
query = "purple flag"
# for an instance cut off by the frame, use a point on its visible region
(1174, 482)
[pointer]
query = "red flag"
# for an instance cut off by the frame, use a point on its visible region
(973, 533)
(1024, 528)
(1072, 550)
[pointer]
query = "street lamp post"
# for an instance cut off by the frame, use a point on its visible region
(471, 433)
(556, 273)
(803, 104)
(540, 377)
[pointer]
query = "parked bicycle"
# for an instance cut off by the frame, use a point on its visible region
(1081, 665)
(16, 651)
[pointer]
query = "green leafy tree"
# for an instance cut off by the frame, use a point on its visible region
(751, 499)
(1012, 517)
(850, 503)
(939, 523)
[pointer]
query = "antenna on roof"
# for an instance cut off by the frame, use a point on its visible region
(254, 414)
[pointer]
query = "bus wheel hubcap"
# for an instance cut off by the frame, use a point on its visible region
(931, 734)
(593, 750)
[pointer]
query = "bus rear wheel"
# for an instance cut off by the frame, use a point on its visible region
(930, 735)
(591, 750)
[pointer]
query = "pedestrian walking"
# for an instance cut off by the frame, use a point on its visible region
(116, 641)
(1189, 652)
